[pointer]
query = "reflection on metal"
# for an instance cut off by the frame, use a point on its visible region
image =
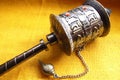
(72, 30)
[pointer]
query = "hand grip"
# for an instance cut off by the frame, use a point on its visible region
(25, 55)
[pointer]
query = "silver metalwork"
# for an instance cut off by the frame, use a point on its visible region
(73, 30)
(77, 27)
(48, 69)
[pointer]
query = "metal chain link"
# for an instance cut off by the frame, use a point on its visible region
(78, 75)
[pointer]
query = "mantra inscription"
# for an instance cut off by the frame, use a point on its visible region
(84, 21)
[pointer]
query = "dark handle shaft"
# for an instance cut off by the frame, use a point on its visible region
(25, 55)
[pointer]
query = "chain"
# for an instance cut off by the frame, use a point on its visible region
(48, 69)
(78, 75)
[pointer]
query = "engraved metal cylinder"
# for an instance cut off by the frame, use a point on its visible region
(77, 27)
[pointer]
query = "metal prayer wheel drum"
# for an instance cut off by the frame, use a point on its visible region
(79, 26)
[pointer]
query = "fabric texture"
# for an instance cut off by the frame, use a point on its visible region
(24, 22)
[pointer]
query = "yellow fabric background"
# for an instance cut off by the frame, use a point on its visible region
(24, 22)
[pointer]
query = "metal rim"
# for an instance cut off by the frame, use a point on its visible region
(61, 35)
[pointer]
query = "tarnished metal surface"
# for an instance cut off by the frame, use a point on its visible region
(77, 27)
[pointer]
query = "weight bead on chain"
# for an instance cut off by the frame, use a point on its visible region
(72, 30)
